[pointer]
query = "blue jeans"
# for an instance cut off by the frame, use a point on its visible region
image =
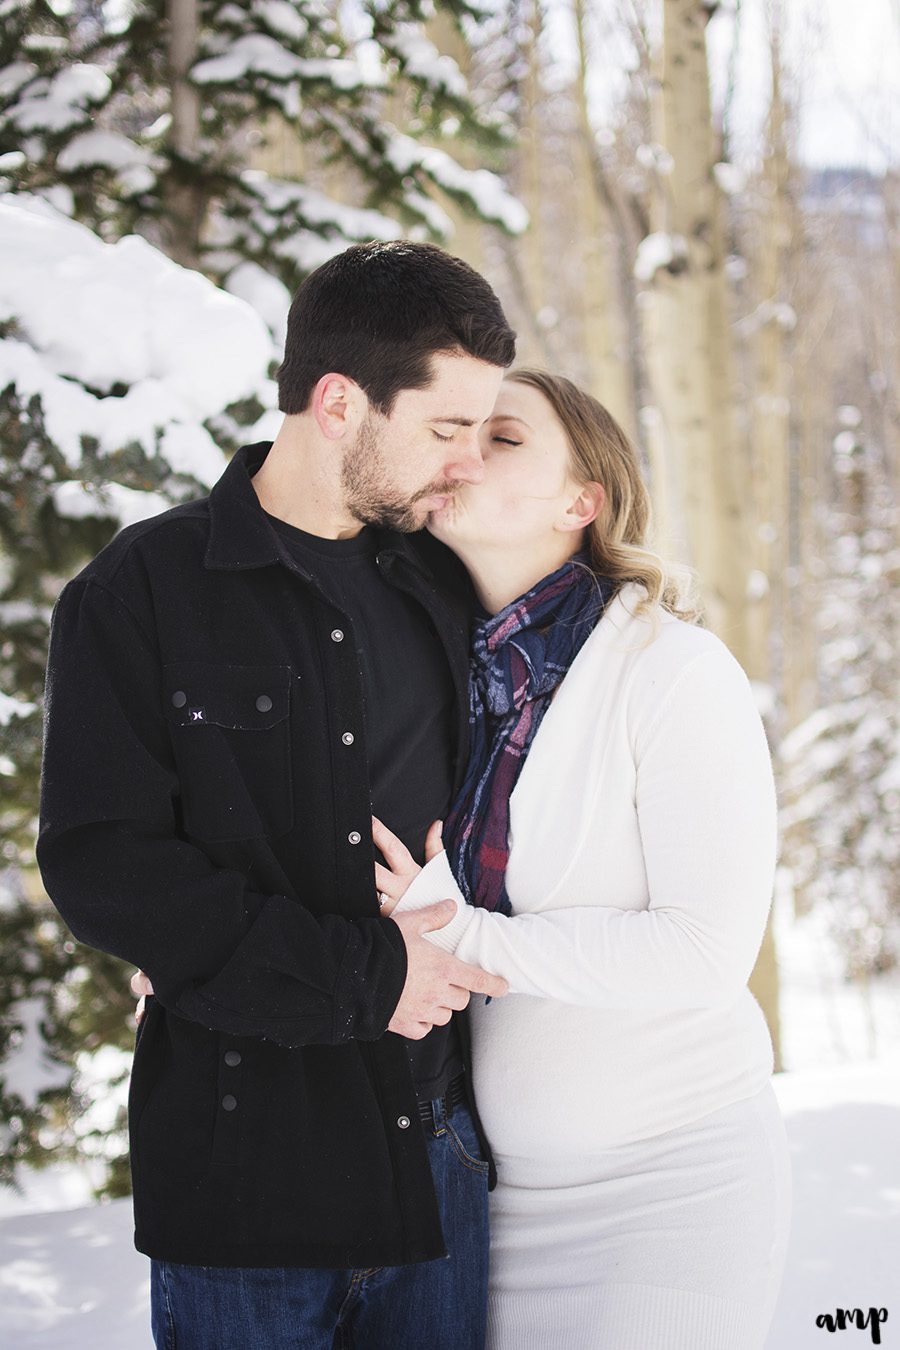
(441, 1305)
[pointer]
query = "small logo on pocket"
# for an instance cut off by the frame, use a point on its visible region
(197, 714)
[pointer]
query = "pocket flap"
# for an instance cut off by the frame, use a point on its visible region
(246, 698)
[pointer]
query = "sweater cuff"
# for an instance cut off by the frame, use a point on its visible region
(434, 883)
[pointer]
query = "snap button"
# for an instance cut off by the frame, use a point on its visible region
(354, 836)
(403, 1122)
(264, 703)
(347, 738)
(179, 698)
(336, 635)
(229, 1102)
(232, 1058)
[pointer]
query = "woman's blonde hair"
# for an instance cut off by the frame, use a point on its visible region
(617, 540)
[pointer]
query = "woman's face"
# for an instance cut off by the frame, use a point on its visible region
(527, 484)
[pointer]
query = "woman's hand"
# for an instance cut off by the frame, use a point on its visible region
(392, 881)
(140, 987)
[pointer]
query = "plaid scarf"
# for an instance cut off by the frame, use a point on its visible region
(519, 656)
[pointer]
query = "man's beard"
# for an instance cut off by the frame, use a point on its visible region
(367, 490)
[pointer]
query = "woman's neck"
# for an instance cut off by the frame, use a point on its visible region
(501, 576)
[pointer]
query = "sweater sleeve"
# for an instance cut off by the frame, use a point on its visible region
(218, 951)
(706, 807)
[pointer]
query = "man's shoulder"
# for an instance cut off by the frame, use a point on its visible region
(149, 552)
(164, 541)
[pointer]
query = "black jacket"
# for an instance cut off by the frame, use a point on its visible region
(202, 818)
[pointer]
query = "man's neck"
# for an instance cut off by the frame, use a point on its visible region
(295, 484)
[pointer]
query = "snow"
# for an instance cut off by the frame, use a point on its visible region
(483, 188)
(730, 178)
(266, 294)
(259, 54)
(425, 63)
(55, 104)
(71, 1279)
(14, 707)
(281, 17)
(656, 251)
(107, 148)
(26, 1069)
(93, 319)
(655, 157)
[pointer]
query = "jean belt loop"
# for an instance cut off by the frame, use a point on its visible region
(439, 1113)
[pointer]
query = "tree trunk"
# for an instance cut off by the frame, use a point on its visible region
(688, 330)
(605, 335)
(690, 358)
(467, 241)
(184, 202)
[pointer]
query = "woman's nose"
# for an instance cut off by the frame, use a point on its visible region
(467, 465)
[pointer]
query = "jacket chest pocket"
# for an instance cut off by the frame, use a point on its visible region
(230, 729)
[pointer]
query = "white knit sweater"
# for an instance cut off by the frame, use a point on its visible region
(642, 857)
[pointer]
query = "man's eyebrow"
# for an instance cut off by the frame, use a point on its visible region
(455, 421)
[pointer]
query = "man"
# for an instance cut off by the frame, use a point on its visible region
(233, 688)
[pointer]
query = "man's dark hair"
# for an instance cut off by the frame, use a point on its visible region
(378, 312)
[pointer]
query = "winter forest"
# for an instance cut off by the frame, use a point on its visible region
(680, 209)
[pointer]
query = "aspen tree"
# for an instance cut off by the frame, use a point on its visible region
(687, 331)
(605, 337)
(689, 356)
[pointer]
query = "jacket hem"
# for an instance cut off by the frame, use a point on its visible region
(261, 1256)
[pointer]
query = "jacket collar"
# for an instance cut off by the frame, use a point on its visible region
(241, 536)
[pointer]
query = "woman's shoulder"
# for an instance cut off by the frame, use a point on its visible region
(664, 651)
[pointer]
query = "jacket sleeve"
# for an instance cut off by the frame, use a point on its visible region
(217, 951)
(706, 810)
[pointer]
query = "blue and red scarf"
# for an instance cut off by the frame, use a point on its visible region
(519, 656)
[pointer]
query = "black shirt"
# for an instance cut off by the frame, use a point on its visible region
(407, 695)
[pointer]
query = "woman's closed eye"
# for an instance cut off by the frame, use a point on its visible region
(505, 440)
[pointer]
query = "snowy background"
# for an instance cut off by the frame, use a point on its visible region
(70, 1278)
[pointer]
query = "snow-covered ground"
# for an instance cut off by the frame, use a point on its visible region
(71, 1280)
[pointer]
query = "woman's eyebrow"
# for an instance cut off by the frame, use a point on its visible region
(509, 417)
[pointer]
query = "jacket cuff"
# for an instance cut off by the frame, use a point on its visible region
(436, 882)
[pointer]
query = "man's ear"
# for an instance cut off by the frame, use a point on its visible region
(338, 405)
(583, 507)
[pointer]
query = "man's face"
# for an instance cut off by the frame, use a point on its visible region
(404, 466)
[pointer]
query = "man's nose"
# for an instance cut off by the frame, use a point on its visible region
(467, 465)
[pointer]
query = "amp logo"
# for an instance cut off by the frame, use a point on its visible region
(842, 1318)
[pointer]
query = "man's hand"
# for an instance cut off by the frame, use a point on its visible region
(140, 987)
(437, 984)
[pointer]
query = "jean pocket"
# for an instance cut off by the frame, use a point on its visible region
(464, 1141)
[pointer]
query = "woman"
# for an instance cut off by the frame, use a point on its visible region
(615, 842)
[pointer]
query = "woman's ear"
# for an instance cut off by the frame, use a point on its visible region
(584, 507)
(338, 405)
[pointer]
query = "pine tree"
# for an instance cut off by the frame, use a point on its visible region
(841, 781)
(149, 127)
(99, 424)
(149, 123)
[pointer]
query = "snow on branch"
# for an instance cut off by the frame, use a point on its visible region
(121, 344)
(482, 188)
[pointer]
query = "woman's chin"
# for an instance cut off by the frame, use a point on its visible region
(441, 522)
